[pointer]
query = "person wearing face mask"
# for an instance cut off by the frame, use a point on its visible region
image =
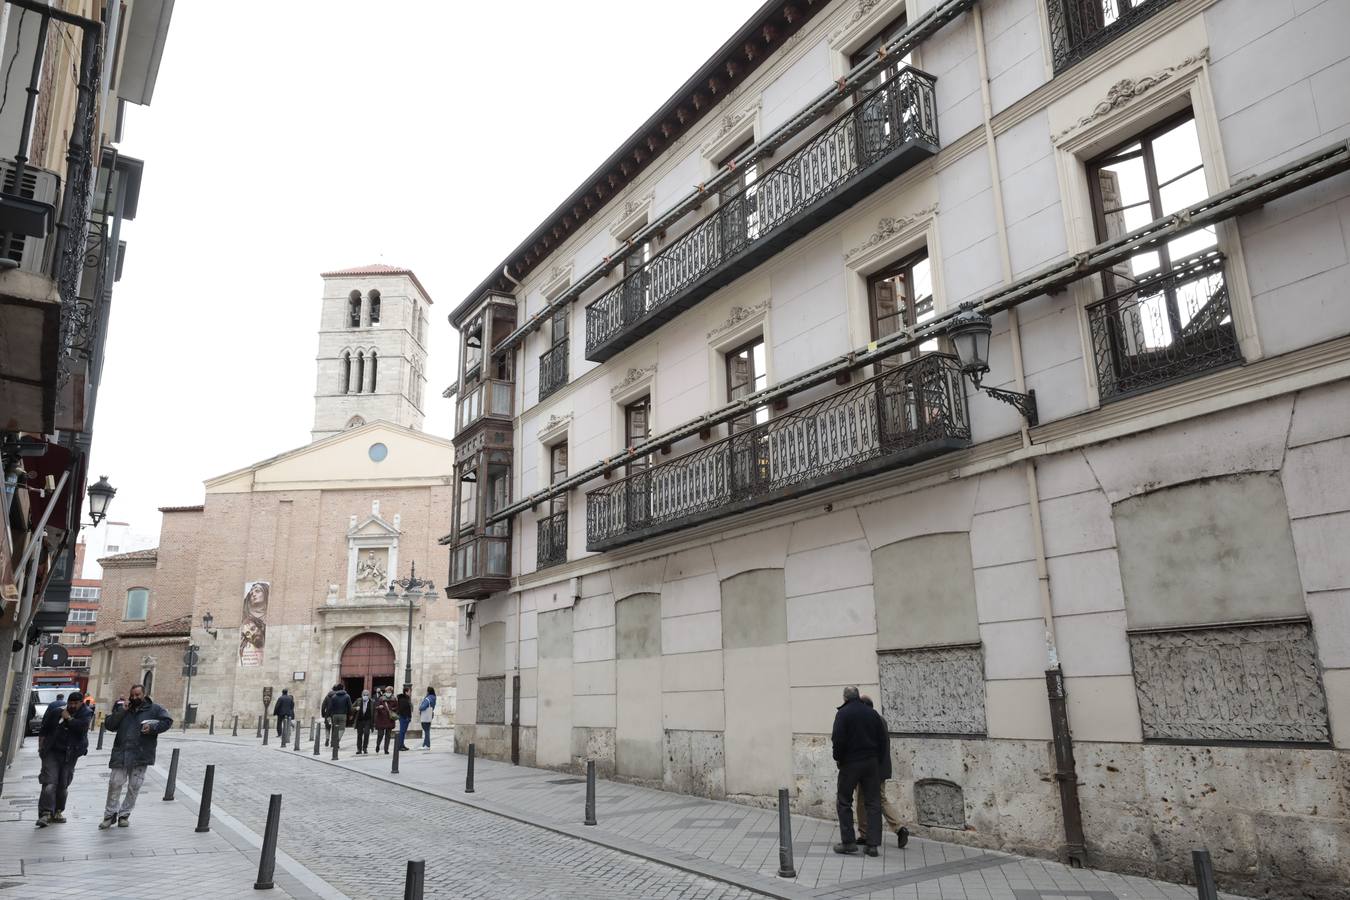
(63, 739)
(385, 712)
(138, 723)
(365, 720)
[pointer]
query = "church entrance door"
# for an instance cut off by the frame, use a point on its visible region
(367, 664)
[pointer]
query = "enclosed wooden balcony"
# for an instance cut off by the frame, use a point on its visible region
(883, 133)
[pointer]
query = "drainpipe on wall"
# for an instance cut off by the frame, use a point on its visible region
(1066, 775)
(515, 692)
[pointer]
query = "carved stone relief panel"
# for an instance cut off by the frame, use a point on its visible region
(1230, 683)
(940, 803)
(937, 690)
(492, 700)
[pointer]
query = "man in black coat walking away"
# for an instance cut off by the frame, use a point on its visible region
(283, 709)
(138, 723)
(859, 739)
(365, 720)
(62, 740)
(339, 704)
(888, 810)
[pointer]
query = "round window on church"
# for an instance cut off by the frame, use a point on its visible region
(378, 452)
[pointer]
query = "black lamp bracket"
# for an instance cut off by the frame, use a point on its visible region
(1023, 403)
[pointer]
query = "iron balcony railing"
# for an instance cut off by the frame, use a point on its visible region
(908, 413)
(883, 133)
(553, 368)
(552, 543)
(1170, 326)
(1080, 27)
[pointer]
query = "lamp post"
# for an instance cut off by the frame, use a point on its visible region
(969, 334)
(100, 495)
(409, 588)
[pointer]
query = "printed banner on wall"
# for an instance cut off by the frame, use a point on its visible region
(253, 628)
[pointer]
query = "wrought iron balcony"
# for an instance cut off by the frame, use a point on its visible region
(883, 133)
(1080, 27)
(1165, 328)
(908, 413)
(552, 543)
(553, 368)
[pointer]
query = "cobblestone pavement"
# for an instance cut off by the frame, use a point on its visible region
(516, 837)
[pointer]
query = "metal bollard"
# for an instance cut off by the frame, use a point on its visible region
(212, 729)
(297, 736)
(259, 734)
(266, 731)
(468, 779)
(334, 743)
(393, 769)
(1204, 875)
(204, 809)
(101, 729)
(316, 743)
(267, 862)
(173, 775)
(235, 733)
(590, 792)
(412, 883)
(785, 867)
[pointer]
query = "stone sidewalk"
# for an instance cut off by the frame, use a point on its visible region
(739, 844)
(77, 859)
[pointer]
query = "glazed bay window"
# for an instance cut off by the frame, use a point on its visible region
(1079, 27)
(552, 543)
(553, 361)
(1165, 313)
(468, 495)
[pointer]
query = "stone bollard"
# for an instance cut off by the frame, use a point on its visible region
(204, 808)
(173, 775)
(267, 860)
(1204, 875)
(468, 778)
(786, 869)
(412, 882)
(590, 792)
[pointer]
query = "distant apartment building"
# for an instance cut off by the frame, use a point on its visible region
(991, 356)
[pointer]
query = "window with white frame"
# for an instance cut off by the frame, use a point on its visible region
(138, 603)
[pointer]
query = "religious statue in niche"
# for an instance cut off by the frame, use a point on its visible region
(370, 573)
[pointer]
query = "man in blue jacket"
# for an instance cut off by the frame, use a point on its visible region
(62, 740)
(859, 738)
(138, 723)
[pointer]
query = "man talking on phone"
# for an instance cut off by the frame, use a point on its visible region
(138, 723)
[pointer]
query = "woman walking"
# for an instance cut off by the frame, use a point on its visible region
(426, 710)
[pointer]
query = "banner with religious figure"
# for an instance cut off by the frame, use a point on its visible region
(253, 626)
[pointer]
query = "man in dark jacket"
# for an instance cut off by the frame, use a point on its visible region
(323, 714)
(365, 720)
(62, 740)
(339, 705)
(888, 810)
(404, 717)
(385, 710)
(283, 709)
(138, 723)
(859, 738)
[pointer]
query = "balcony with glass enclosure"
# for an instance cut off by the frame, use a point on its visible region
(909, 413)
(884, 132)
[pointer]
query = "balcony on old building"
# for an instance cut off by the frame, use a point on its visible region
(908, 413)
(1172, 325)
(553, 368)
(1079, 28)
(882, 134)
(552, 540)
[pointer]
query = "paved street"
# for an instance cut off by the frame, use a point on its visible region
(348, 829)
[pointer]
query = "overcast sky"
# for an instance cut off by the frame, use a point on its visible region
(290, 138)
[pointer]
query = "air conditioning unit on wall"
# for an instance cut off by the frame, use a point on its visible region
(41, 186)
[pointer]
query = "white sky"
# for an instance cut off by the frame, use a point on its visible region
(290, 138)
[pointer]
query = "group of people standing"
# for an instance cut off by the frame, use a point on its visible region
(377, 713)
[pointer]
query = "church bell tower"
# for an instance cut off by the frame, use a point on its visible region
(373, 332)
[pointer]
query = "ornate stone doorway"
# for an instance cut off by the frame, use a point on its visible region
(367, 663)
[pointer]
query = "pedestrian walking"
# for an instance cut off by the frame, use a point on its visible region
(385, 713)
(858, 737)
(888, 810)
(138, 723)
(365, 721)
(283, 709)
(339, 705)
(323, 713)
(404, 717)
(62, 740)
(426, 709)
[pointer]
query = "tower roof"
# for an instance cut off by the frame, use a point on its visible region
(376, 269)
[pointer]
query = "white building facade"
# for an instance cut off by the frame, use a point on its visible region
(1111, 623)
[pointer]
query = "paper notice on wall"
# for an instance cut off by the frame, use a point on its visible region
(253, 626)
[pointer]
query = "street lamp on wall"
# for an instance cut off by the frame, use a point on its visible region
(100, 495)
(969, 334)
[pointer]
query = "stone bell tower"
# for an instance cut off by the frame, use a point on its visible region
(373, 334)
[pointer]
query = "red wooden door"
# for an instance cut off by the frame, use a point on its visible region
(368, 656)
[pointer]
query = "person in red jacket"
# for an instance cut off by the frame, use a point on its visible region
(385, 713)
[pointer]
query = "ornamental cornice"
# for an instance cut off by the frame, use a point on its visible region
(729, 123)
(634, 376)
(555, 424)
(889, 226)
(633, 212)
(1125, 91)
(849, 25)
(740, 314)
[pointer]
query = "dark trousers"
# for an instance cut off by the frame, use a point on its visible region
(384, 737)
(57, 771)
(281, 725)
(403, 723)
(362, 737)
(867, 773)
(426, 734)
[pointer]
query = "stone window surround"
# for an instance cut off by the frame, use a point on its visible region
(1133, 105)
(865, 19)
(756, 323)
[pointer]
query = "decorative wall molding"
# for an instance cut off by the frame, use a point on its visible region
(1247, 682)
(633, 213)
(555, 425)
(634, 376)
(888, 227)
(938, 690)
(729, 126)
(1125, 91)
(738, 315)
(557, 281)
(939, 803)
(850, 26)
